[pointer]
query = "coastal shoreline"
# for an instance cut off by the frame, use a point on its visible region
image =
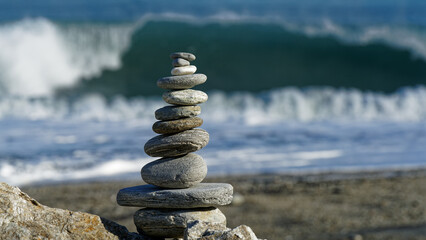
(338, 205)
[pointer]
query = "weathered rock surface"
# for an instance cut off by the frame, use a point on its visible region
(186, 70)
(181, 82)
(22, 217)
(185, 97)
(181, 172)
(172, 223)
(198, 230)
(177, 144)
(201, 195)
(180, 62)
(177, 112)
(184, 55)
(175, 126)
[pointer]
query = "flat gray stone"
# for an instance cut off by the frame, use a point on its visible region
(187, 56)
(186, 70)
(168, 223)
(176, 126)
(177, 144)
(181, 82)
(180, 62)
(185, 97)
(181, 172)
(177, 112)
(201, 195)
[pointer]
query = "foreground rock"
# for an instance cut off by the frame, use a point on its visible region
(199, 230)
(22, 217)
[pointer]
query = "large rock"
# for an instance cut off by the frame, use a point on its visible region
(198, 230)
(22, 217)
(180, 172)
(177, 144)
(201, 195)
(172, 223)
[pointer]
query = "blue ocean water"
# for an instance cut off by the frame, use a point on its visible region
(294, 86)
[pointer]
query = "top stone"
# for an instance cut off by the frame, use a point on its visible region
(184, 55)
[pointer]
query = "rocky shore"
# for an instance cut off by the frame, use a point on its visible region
(373, 205)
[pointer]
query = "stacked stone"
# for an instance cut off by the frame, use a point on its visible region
(175, 195)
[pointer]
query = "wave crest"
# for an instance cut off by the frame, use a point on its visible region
(38, 56)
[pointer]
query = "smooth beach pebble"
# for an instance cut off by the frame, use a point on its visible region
(200, 195)
(175, 126)
(167, 223)
(177, 71)
(185, 97)
(180, 172)
(177, 144)
(181, 82)
(177, 112)
(180, 62)
(184, 55)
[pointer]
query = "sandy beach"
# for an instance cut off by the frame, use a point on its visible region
(374, 205)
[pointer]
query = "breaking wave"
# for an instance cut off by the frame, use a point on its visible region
(286, 104)
(40, 57)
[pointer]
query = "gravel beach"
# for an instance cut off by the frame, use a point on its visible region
(372, 205)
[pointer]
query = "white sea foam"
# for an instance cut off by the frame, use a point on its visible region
(49, 171)
(37, 56)
(286, 104)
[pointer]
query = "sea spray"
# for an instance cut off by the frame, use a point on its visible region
(38, 56)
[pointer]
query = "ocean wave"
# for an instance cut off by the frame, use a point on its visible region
(39, 56)
(280, 105)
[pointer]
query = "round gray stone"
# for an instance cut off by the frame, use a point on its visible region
(186, 70)
(175, 126)
(177, 112)
(167, 223)
(181, 172)
(177, 144)
(200, 195)
(180, 62)
(185, 97)
(181, 82)
(187, 56)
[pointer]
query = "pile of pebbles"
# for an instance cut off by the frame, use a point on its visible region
(174, 195)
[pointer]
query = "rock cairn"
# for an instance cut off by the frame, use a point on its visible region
(174, 195)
